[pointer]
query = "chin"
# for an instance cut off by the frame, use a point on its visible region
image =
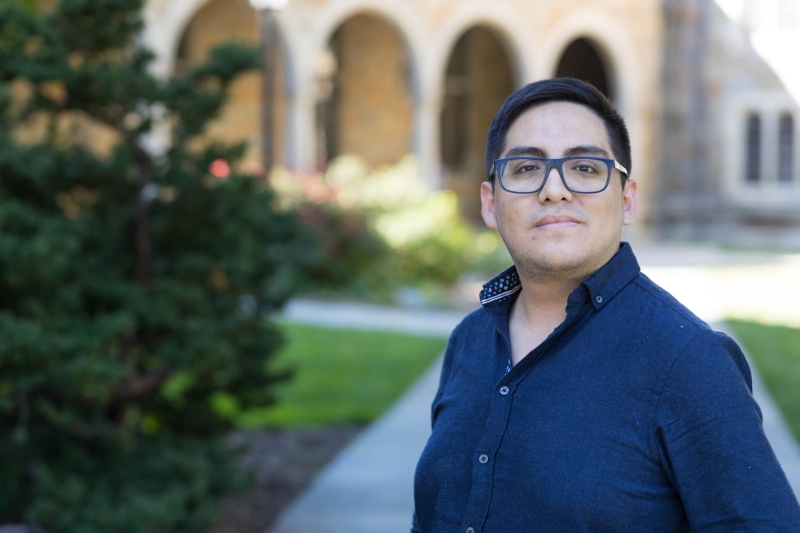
(550, 264)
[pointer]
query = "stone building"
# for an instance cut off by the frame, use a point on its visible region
(709, 89)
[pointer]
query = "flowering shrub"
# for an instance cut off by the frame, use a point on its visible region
(351, 249)
(427, 238)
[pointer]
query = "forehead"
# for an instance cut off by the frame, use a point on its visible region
(557, 126)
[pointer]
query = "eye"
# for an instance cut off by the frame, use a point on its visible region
(526, 167)
(584, 167)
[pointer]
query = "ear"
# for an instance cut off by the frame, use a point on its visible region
(630, 202)
(487, 205)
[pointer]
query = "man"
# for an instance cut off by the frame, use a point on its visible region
(582, 396)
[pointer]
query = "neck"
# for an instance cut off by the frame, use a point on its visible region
(538, 310)
(545, 302)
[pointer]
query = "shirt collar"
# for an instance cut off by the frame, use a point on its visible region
(601, 287)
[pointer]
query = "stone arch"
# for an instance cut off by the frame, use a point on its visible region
(207, 27)
(308, 35)
(366, 97)
(634, 67)
(332, 15)
(616, 47)
(586, 60)
(165, 23)
(479, 76)
(218, 21)
(516, 37)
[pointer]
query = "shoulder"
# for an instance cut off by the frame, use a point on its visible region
(670, 331)
(652, 315)
(711, 366)
(670, 309)
(469, 339)
(477, 323)
(471, 334)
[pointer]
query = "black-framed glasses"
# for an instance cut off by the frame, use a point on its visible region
(584, 175)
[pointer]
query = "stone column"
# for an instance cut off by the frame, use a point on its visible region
(302, 139)
(426, 142)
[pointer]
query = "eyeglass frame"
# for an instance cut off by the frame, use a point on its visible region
(556, 163)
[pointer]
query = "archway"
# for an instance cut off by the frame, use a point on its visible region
(221, 21)
(478, 79)
(585, 60)
(365, 104)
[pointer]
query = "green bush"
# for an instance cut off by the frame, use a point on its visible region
(427, 237)
(133, 283)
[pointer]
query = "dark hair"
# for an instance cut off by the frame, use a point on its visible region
(558, 90)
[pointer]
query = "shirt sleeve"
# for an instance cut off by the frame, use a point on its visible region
(414, 525)
(712, 445)
(447, 369)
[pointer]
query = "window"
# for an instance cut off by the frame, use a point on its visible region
(785, 148)
(753, 149)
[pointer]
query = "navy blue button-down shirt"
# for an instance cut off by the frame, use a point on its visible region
(633, 415)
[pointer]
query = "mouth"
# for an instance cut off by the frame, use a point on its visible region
(553, 222)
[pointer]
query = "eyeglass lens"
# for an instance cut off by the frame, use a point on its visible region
(528, 175)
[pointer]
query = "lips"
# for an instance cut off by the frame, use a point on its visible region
(556, 221)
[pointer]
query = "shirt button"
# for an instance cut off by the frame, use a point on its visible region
(483, 458)
(470, 530)
(503, 390)
(599, 299)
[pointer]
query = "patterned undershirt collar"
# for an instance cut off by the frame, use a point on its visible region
(499, 289)
(503, 286)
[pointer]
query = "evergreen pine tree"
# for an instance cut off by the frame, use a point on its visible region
(133, 285)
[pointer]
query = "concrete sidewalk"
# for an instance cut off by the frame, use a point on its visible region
(361, 316)
(368, 488)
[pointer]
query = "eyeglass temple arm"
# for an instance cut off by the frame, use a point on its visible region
(620, 167)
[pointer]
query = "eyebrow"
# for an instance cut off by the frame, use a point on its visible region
(534, 151)
(586, 150)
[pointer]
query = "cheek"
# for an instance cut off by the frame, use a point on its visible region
(510, 217)
(603, 206)
(609, 216)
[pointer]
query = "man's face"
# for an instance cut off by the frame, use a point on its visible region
(556, 234)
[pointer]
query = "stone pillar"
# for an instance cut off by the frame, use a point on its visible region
(427, 138)
(302, 139)
(684, 207)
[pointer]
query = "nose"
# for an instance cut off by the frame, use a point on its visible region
(554, 189)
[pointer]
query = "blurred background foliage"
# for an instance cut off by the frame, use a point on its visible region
(138, 264)
(134, 281)
(427, 242)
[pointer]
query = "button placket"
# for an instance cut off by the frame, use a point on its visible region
(483, 469)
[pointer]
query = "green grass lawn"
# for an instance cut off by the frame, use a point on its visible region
(343, 376)
(775, 350)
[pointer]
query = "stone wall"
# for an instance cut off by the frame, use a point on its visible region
(714, 78)
(383, 112)
(373, 108)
